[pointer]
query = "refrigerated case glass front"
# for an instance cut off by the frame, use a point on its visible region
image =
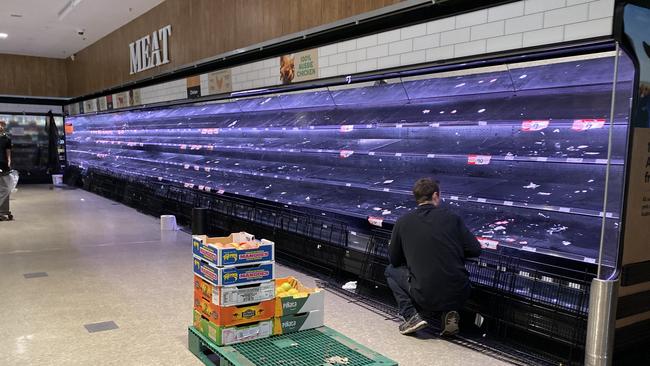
(29, 137)
(520, 149)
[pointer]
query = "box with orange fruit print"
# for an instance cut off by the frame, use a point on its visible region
(236, 249)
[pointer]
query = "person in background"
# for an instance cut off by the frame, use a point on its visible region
(427, 253)
(5, 169)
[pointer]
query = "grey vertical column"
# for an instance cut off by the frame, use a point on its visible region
(199, 221)
(603, 298)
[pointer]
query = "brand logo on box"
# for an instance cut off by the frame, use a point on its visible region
(289, 324)
(256, 255)
(208, 253)
(227, 257)
(250, 313)
(290, 305)
(260, 273)
(230, 276)
(207, 272)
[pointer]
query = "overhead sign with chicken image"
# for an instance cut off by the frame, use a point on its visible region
(300, 66)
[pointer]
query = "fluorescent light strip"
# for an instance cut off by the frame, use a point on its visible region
(68, 8)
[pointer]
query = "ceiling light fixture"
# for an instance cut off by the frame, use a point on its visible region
(3, 35)
(67, 8)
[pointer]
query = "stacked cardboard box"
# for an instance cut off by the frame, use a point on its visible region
(297, 307)
(234, 287)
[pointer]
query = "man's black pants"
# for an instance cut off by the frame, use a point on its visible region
(398, 281)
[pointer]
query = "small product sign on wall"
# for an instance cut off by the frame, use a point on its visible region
(135, 97)
(194, 86)
(150, 51)
(220, 82)
(121, 100)
(90, 105)
(102, 104)
(300, 66)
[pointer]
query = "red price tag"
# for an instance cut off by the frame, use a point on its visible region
(376, 221)
(534, 125)
(587, 124)
(345, 153)
(487, 243)
(478, 159)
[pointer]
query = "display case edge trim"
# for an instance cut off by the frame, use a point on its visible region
(632, 273)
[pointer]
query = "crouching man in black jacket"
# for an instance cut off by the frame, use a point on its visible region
(427, 253)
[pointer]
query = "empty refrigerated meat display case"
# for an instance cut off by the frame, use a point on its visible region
(521, 150)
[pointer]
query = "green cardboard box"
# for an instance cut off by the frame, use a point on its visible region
(222, 336)
(297, 322)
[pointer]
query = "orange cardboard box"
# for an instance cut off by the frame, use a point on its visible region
(233, 315)
(234, 294)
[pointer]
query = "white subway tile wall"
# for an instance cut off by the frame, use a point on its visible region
(413, 58)
(424, 42)
(588, 29)
(507, 11)
(472, 18)
(536, 6)
(506, 27)
(568, 15)
(488, 30)
(396, 48)
(469, 48)
(543, 36)
(346, 69)
(525, 23)
(440, 53)
(413, 31)
(601, 9)
(367, 41)
(441, 25)
(388, 37)
(509, 42)
(455, 36)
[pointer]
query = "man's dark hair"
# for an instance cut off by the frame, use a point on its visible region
(424, 189)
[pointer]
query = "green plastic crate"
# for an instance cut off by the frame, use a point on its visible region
(306, 348)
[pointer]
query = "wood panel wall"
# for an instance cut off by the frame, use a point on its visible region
(33, 76)
(201, 29)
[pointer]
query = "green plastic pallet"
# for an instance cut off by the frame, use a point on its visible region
(311, 347)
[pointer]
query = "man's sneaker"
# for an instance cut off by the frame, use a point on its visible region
(412, 324)
(450, 321)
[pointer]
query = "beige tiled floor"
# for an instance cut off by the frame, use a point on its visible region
(108, 262)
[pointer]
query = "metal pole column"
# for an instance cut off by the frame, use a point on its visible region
(199, 221)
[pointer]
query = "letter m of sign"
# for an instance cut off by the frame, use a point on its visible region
(136, 55)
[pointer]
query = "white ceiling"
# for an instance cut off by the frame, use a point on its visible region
(39, 32)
